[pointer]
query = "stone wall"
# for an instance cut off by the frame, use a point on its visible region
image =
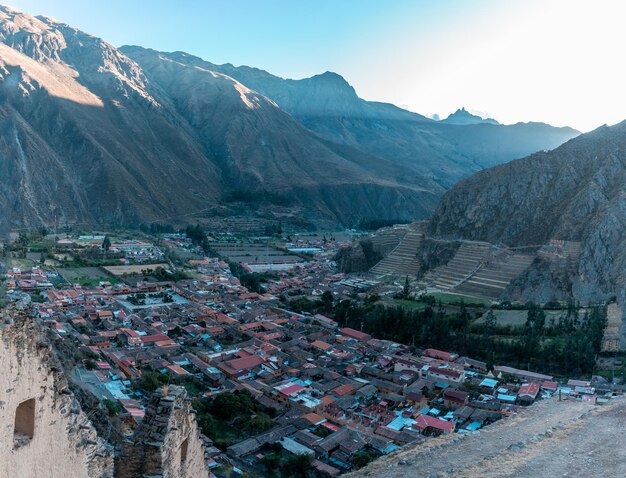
(168, 442)
(53, 437)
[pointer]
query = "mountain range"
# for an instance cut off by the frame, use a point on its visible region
(577, 192)
(99, 135)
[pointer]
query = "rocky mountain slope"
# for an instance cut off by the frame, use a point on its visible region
(90, 136)
(576, 192)
(445, 151)
(97, 135)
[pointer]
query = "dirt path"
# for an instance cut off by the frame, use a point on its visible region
(552, 438)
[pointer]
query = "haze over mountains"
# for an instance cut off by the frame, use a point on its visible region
(96, 134)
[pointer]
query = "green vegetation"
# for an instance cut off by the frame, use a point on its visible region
(112, 406)
(86, 276)
(567, 346)
(287, 465)
(323, 305)
(456, 299)
(151, 380)
(156, 228)
(163, 275)
(363, 457)
(229, 417)
(250, 280)
(199, 238)
(409, 304)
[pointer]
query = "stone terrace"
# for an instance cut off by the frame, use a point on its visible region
(403, 259)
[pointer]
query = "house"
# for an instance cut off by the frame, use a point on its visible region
(355, 334)
(241, 367)
(549, 386)
(427, 425)
(454, 398)
(441, 355)
(523, 374)
(528, 392)
(446, 374)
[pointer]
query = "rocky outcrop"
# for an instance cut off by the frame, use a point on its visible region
(168, 443)
(43, 431)
(575, 193)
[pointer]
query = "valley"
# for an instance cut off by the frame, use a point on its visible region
(208, 270)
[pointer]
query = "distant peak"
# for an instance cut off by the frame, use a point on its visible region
(462, 116)
(330, 77)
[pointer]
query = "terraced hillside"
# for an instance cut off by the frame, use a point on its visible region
(403, 259)
(387, 239)
(465, 262)
(478, 269)
(494, 276)
(565, 254)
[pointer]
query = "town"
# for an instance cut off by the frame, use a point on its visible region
(249, 327)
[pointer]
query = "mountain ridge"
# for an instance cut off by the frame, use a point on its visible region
(101, 135)
(575, 192)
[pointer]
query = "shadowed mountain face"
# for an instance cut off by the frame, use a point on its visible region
(93, 134)
(445, 151)
(576, 192)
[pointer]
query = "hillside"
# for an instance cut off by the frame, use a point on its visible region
(444, 151)
(574, 193)
(93, 134)
(92, 137)
(551, 438)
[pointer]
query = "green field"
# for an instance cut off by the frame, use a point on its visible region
(85, 276)
(23, 264)
(448, 298)
(518, 317)
(408, 304)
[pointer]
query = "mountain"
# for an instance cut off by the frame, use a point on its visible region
(92, 134)
(89, 136)
(462, 116)
(576, 192)
(444, 152)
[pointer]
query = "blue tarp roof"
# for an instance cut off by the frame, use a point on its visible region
(489, 382)
(473, 426)
(506, 398)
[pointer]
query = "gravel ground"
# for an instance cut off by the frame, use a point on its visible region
(551, 438)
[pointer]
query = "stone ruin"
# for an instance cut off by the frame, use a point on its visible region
(44, 432)
(167, 443)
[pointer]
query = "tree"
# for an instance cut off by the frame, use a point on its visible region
(297, 465)
(90, 364)
(490, 322)
(106, 244)
(327, 300)
(113, 407)
(406, 290)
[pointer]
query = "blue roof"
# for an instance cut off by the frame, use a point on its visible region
(396, 424)
(506, 398)
(489, 382)
(473, 426)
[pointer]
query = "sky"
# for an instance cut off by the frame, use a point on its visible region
(556, 61)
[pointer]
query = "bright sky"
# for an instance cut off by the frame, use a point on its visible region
(558, 61)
